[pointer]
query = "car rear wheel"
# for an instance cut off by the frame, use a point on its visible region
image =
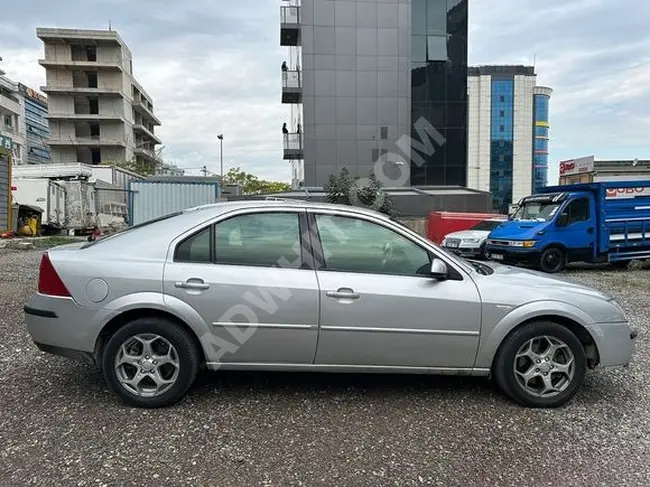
(151, 362)
(541, 365)
(552, 260)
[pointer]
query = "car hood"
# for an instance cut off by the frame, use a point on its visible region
(468, 234)
(518, 230)
(516, 286)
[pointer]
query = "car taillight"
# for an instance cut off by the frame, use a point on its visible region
(49, 281)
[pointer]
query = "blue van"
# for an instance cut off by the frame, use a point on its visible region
(595, 222)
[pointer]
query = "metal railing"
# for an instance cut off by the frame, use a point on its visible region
(291, 79)
(293, 142)
(290, 14)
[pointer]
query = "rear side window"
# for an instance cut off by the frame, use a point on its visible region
(260, 239)
(196, 248)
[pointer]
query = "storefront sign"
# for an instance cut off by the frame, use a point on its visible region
(622, 193)
(577, 166)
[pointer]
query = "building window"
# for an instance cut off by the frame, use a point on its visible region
(384, 133)
(502, 99)
(502, 113)
(502, 128)
(436, 48)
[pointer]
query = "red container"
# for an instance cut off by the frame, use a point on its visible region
(442, 223)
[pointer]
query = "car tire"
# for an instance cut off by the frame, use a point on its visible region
(547, 384)
(152, 377)
(552, 260)
(483, 252)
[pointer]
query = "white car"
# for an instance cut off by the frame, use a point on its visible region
(471, 243)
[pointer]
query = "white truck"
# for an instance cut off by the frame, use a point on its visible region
(46, 194)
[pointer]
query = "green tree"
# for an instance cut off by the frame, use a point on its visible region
(143, 169)
(345, 190)
(252, 184)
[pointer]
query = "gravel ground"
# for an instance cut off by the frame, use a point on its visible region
(59, 425)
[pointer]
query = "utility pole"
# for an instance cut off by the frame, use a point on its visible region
(220, 137)
(204, 170)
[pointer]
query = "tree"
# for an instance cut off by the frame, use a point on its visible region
(252, 184)
(143, 169)
(344, 190)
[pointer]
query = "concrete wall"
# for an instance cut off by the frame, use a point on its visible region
(522, 168)
(479, 132)
(356, 60)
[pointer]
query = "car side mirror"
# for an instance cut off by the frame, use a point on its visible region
(439, 269)
(563, 220)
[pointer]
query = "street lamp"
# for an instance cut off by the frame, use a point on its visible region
(220, 137)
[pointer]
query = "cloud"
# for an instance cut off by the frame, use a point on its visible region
(213, 67)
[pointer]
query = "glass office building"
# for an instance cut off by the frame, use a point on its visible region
(359, 74)
(37, 129)
(508, 132)
(439, 87)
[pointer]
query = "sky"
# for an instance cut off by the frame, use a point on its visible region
(212, 67)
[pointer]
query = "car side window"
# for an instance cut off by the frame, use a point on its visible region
(578, 210)
(195, 248)
(354, 245)
(259, 239)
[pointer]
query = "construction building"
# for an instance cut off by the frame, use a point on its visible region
(98, 112)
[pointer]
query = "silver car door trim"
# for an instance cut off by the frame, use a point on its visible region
(342, 295)
(230, 324)
(422, 331)
(476, 371)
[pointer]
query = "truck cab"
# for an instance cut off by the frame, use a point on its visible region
(597, 222)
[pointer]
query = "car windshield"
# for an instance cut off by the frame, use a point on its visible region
(487, 225)
(536, 210)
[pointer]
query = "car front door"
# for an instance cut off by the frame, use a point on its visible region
(247, 277)
(580, 230)
(379, 305)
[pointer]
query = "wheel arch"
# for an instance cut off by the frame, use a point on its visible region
(573, 319)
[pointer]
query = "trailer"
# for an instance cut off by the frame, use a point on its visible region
(46, 194)
(594, 222)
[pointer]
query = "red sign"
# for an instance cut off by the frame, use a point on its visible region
(577, 166)
(627, 192)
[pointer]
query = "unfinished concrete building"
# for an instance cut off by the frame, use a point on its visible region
(98, 112)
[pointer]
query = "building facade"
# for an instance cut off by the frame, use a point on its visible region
(589, 170)
(361, 73)
(36, 126)
(12, 126)
(98, 112)
(508, 132)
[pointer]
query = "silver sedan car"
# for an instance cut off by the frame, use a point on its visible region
(301, 286)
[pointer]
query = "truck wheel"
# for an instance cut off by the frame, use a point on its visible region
(621, 264)
(541, 364)
(151, 362)
(552, 260)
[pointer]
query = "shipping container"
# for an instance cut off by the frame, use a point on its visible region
(5, 190)
(46, 194)
(156, 197)
(442, 223)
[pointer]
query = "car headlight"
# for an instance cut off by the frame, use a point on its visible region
(471, 240)
(526, 244)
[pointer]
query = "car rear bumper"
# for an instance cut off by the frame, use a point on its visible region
(615, 342)
(60, 326)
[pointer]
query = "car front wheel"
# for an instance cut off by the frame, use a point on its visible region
(541, 365)
(151, 362)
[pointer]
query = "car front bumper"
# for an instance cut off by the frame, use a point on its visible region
(465, 250)
(615, 342)
(512, 254)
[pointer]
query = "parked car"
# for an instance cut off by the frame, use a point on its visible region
(595, 222)
(318, 288)
(472, 242)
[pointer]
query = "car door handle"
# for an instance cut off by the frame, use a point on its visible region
(343, 293)
(189, 284)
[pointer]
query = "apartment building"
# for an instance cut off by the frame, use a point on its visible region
(36, 126)
(508, 132)
(98, 112)
(359, 74)
(12, 127)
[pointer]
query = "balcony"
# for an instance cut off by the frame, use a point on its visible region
(290, 25)
(86, 117)
(85, 141)
(142, 108)
(10, 103)
(103, 65)
(291, 87)
(293, 147)
(80, 90)
(146, 132)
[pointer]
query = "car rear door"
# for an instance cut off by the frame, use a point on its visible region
(380, 307)
(248, 277)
